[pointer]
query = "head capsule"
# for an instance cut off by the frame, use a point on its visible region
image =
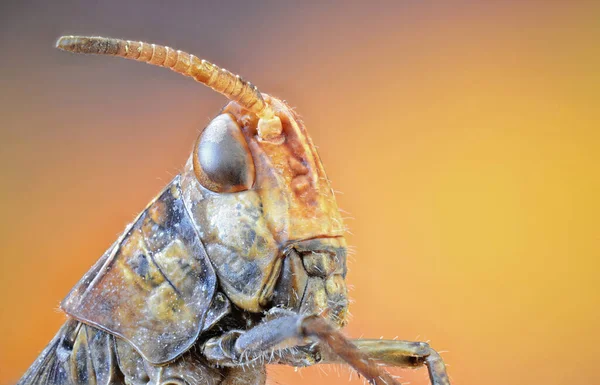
(266, 213)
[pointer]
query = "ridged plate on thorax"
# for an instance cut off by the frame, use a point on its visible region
(154, 286)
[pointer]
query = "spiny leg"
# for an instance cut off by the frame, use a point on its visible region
(345, 349)
(400, 354)
(241, 347)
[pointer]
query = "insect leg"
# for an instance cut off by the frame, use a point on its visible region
(292, 330)
(401, 354)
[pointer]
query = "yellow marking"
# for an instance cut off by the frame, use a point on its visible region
(175, 192)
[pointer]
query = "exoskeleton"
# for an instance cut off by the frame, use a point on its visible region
(240, 261)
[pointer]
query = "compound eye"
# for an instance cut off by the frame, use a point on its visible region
(222, 160)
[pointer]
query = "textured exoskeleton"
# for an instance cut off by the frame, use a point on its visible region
(241, 258)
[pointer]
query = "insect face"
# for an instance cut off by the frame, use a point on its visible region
(266, 214)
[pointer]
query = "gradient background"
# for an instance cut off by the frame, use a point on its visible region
(464, 136)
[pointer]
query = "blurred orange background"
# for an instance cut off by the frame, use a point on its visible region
(463, 137)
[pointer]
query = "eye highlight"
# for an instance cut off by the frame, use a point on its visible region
(222, 160)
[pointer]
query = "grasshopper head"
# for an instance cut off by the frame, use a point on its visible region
(267, 213)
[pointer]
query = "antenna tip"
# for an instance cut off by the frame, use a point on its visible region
(66, 43)
(88, 44)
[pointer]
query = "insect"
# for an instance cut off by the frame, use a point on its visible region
(240, 261)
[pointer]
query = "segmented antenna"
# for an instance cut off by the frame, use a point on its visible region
(219, 79)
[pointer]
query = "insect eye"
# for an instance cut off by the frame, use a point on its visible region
(222, 159)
